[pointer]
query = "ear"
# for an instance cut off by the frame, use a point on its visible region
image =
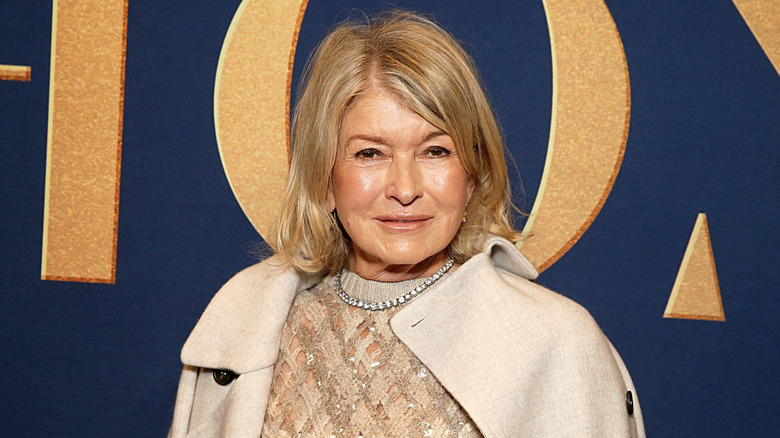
(331, 198)
(470, 188)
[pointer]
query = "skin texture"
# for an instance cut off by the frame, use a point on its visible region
(398, 187)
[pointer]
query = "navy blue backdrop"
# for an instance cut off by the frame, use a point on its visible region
(102, 360)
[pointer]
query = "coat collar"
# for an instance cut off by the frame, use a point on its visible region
(240, 330)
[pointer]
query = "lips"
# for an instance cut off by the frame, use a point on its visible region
(403, 217)
(404, 221)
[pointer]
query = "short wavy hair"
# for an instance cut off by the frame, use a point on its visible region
(415, 59)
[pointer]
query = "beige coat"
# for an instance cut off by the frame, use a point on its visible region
(522, 361)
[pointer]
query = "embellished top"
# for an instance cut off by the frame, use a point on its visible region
(342, 371)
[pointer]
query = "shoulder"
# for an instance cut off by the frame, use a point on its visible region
(496, 290)
(493, 298)
(553, 314)
(507, 278)
(238, 328)
(250, 290)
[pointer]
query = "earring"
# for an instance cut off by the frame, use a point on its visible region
(465, 212)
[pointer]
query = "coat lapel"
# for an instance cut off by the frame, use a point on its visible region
(458, 330)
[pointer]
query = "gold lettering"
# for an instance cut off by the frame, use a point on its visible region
(589, 128)
(86, 100)
(252, 104)
(14, 73)
(696, 293)
(763, 19)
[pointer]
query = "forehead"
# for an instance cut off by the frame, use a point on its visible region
(378, 110)
(379, 117)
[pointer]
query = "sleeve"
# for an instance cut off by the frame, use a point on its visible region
(632, 401)
(581, 387)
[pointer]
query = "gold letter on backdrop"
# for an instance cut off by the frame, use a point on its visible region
(589, 129)
(86, 99)
(252, 103)
(763, 19)
(696, 294)
(14, 72)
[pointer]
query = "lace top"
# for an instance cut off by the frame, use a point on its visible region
(341, 371)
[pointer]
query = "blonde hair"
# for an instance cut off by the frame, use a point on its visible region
(427, 69)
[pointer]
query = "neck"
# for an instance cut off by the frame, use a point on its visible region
(378, 270)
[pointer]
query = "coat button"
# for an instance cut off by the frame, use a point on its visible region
(224, 377)
(630, 403)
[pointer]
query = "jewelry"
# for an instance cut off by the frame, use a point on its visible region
(383, 305)
(465, 211)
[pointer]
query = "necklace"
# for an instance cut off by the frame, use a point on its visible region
(382, 305)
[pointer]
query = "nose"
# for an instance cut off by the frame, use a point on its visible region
(404, 182)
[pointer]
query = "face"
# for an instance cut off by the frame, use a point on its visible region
(398, 187)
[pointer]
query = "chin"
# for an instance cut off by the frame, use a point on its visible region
(401, 257)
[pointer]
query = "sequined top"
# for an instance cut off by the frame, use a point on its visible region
(341, 371)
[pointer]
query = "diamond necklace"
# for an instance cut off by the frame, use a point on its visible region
(382, 305)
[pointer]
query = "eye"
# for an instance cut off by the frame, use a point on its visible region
(437, 151)
(368, 153)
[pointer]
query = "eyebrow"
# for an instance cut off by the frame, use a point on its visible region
(381, 140)
(434, 134)
(369, 138)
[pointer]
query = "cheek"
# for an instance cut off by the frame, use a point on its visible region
(354, 190)
(452, 186)
(364, 183)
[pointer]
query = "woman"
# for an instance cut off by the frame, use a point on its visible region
(396, 303)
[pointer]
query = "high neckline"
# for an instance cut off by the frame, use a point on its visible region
(376, 291)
